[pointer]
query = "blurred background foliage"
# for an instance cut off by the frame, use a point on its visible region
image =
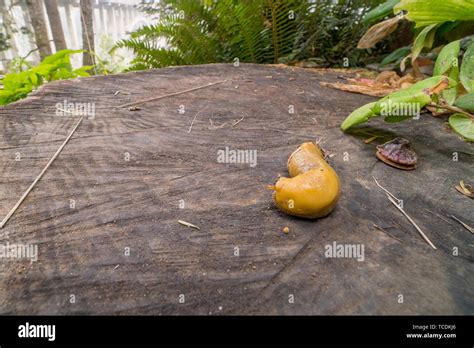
(313, 33)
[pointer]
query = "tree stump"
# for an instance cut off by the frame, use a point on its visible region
(105, 215)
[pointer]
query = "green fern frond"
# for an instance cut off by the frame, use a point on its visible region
(257, 31)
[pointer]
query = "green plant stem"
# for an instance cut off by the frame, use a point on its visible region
(451, 108)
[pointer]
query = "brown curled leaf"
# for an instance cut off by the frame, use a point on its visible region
(382, 85)
(465, 189)
(362, 89)
(378, 32)
(442, 85)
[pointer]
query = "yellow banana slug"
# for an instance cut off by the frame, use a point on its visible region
(313, 188)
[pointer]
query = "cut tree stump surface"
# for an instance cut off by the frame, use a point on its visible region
(93, 205)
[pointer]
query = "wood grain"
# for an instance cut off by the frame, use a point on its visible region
(136, 204)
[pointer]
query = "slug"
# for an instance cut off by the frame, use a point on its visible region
(313, 188)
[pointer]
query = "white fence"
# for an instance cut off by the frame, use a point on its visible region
(112, 20)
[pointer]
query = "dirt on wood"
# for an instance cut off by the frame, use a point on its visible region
(105, 215)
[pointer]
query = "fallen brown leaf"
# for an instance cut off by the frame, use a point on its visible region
(406, 81)
(383, 84)
(363, 89)
(465, 189)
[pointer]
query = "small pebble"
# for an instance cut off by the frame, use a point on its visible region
(286, 230)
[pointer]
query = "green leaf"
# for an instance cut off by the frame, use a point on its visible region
(463, 125)
(396, 55)
(429, 83)
(58, 56)
(401, 107)
(447, 27)
(449, 94)
(465, 102)
(6, 96)
(447, 64)
(413, 99)
(34, 79)
(17, 85)
(467, 69)
(423, 39)
(379, 12)
(358, 116)
(419, 92)
(430, 12)
(447, 58)
(82, 71)
(61, 74)
(16, 80)
(9, 96)
(43, 69)
(450, 31)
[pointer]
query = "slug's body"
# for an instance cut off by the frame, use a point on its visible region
(313, 188)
